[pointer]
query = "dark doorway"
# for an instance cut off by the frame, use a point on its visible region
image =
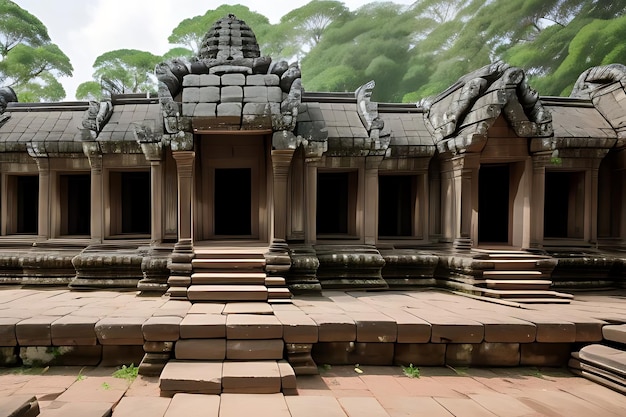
(333, 202)
(564, 205)
(76, 204)
(136, 211)
(233, 201)
(27, 204)
(395, 205)
(493, 203)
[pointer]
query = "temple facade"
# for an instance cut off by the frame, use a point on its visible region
(487, 188)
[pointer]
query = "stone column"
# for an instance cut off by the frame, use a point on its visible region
(281, 160)
(370, 227)
(311, 204)
(43, 209)
(94, 154)
(537, 200)
(465, 192)
(184, 167)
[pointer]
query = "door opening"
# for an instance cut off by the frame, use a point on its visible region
(493, 203)
(233, 201)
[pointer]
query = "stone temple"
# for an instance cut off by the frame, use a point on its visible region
(234, 183)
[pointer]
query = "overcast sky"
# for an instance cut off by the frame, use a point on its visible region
(86, 29)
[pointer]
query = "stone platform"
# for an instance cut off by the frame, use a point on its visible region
(426, 328)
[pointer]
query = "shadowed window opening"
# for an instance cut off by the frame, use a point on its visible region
(75, 204)
(396, 205)
(233, 201)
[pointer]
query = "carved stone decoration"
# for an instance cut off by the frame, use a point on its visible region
(596, 77)
(368, 111)
(171, 74)
(97, 116)
(7, 95)
(460, 116)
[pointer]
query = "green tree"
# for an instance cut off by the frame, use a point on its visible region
(373, 43)
(302, 29)
(190, 32)
(120, 72)
(29, 61)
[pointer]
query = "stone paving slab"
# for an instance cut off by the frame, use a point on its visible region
(341, 391)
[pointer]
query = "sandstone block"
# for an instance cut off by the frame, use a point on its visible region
(158, 347)
(209, 94)
(162, 329)
(255, 94)
(191, 80)
(120, 330)
(256, 377)
(74, 330)
(19, 406)
(35, 331)
(334, 327)
(544, 354)
(231, 94)
(191, 377)
(229, 110)
(253, 326)
(272, 80)
(374, 327)
(483, 354)
(191, 95)
(255, 79)
(61, 355)
(233, 79)
(189, 109)
(254, 349)
(274, 94)
(297, 328)
(7, 331)
(420, 354)
(615, 333)
(210, 80)
(121, 355)
(203, 326)
(192, 405)
(200, 349)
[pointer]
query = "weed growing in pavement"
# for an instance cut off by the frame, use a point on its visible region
(128, 373)
(105, 386)
(325, 367)
(411, 371)
(80, 375)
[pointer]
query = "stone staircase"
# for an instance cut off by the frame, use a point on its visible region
(237, 274)
(516, 276)
(230, 341)
(604, 363)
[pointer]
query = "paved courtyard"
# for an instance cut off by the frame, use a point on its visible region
(354, 390)
(337, 391)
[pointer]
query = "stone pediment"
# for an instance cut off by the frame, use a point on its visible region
(229, 86)
(462, 114)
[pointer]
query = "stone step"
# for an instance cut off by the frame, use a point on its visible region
(503, 274)
(19, 406)
(605, 357)
(217, 377)
(228, 278)
(513, 294)
(275, 282)
(227, 293)
(278, 293)
(512, 264)
(542, 300)
(512, 255)
(229, 264)
(518, 284)
(615, 333)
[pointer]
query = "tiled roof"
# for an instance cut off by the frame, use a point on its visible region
(409, 135)
(342, 121)
(56, 127)
(579, 122)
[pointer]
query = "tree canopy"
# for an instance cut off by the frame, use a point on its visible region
(119, 72)
(420, 50)
(29, 62)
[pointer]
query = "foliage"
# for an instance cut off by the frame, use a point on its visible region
(128, 373)
(411, 371)
(303, 28)
(120, 72)
(411, 52)
(190, 31)
(29, 61)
